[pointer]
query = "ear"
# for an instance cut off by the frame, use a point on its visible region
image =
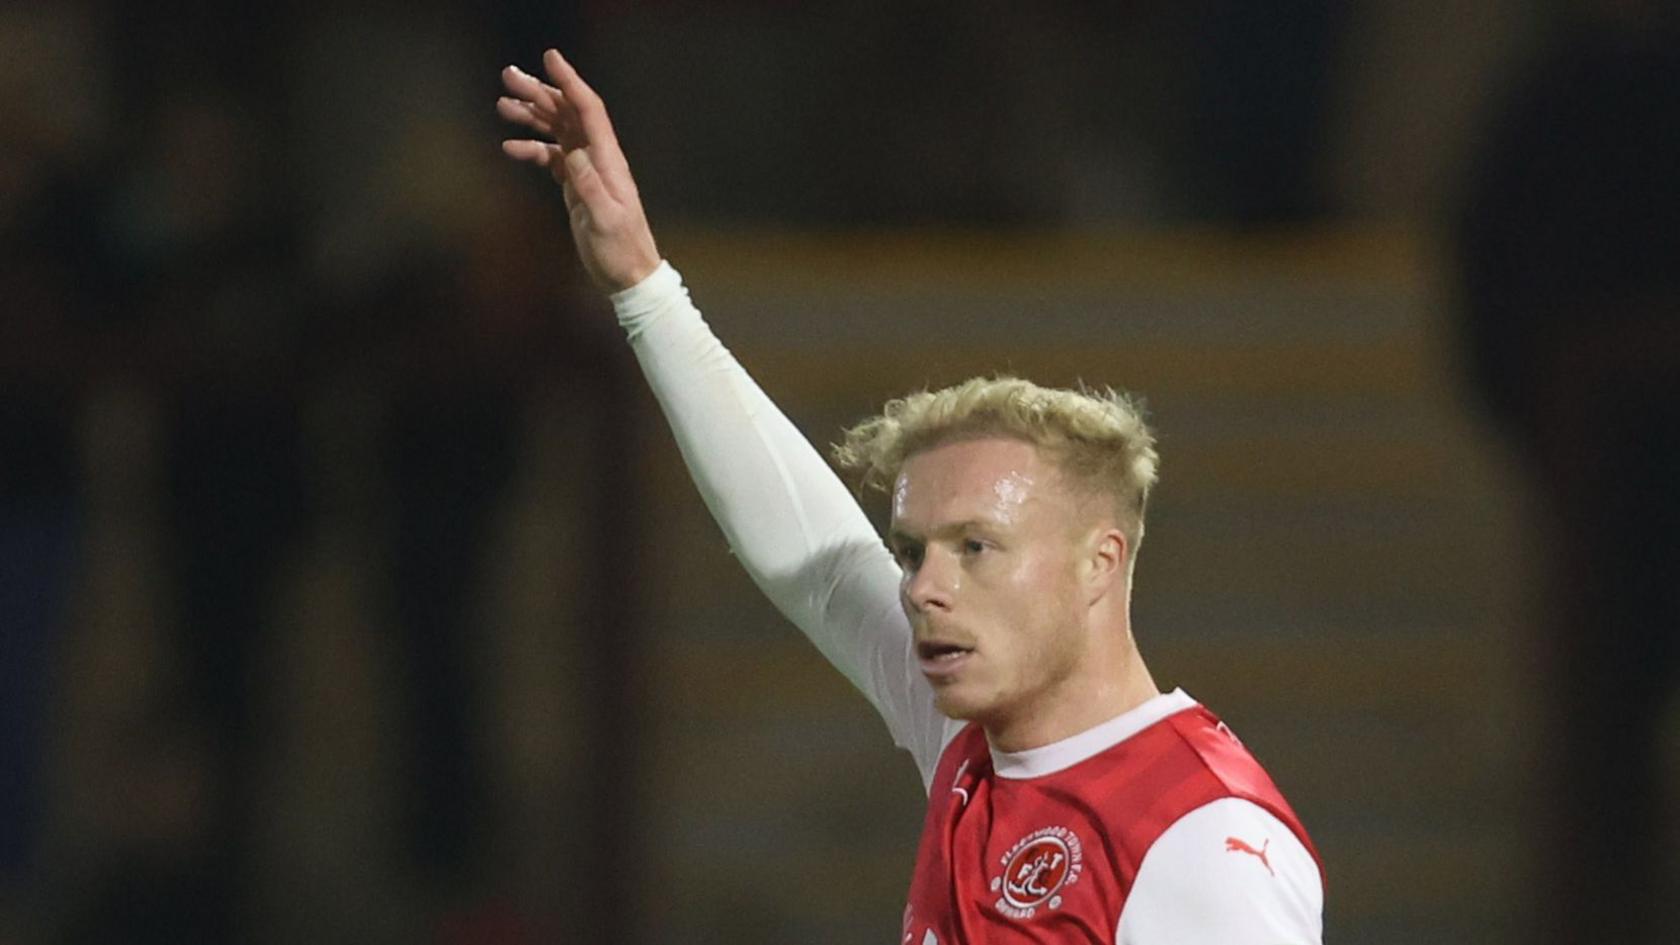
(1104, 567)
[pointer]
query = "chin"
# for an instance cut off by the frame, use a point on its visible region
(953, 703)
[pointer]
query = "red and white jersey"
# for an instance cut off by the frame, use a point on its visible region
(1156, 827)
(1153, 828)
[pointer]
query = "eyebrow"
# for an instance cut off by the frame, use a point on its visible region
(897, 536)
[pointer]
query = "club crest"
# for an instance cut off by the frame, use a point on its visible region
(1036, 870)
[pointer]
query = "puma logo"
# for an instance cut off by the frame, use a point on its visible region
(1233, 845)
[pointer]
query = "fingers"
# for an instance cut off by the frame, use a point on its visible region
(529, 88)
(543, 102)
(587, 105)
(585, 157)
(524, 113)
(540, 153)
(569, 93)
(571, 86)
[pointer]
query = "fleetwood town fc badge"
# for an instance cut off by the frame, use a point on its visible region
(1036, 872)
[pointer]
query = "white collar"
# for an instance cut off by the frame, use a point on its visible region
(1056, 756)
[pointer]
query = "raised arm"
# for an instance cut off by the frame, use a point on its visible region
(788, 518)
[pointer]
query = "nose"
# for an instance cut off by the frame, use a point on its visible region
(931, 585)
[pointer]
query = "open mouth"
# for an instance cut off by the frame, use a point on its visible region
(941, 658)
(932, 652)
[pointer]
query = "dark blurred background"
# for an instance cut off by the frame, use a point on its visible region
(350, 589)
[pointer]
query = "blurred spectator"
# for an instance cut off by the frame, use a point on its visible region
(445, 282)
(1573, 319)
(56, 293)
(200, 225)
(48, 294)
(447, 452)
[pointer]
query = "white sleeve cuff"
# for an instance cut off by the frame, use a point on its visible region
(644, 298)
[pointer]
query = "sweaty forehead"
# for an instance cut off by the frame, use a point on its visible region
(982, 479)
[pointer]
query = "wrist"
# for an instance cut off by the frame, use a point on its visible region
(634, 276)
(647, 293)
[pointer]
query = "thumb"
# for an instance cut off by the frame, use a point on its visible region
(581, 174)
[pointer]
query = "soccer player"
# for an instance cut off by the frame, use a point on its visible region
(1069, 799)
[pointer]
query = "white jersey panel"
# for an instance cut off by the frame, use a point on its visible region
(1227, 873)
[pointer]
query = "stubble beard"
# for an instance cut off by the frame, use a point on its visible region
(1026, 688)
(949, 698)
(1043, 674)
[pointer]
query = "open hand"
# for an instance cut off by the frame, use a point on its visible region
(582, 153)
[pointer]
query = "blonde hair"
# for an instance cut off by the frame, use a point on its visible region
(1097, 438)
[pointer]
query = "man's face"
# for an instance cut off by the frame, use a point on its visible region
(988, 536)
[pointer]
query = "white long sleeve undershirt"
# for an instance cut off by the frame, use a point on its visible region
(788, 518)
